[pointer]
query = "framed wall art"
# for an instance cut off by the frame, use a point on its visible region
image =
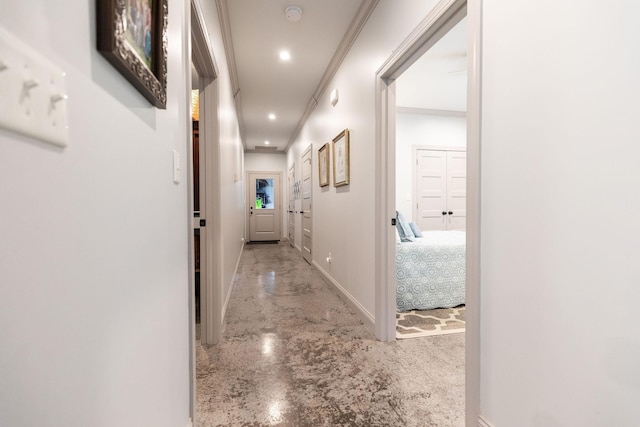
(132, 36)
(341, 159)
(323, 165)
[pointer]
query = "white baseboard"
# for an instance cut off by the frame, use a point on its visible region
(189, 423)
(367, 318)
(233, 278)
(482, 422)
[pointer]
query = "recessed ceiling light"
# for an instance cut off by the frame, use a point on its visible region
(272, 116)
(285, 55)
(267, 143)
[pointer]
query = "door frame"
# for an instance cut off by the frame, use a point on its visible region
(438, 22)
(280, 220)
(210, 306)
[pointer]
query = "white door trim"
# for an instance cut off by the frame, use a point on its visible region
(200, 51)
(416, 147)
(191, 279)
(439, 21)
(210, 254)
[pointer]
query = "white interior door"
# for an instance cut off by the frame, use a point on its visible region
(431, 189)
(441, 189)
(306, 205)
(456, 190)
(292, 204)
(264, 206)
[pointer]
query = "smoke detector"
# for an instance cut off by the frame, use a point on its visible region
(293, 13)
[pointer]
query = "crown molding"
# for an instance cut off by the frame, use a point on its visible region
(227, 40)
(359, 20)
(430, 112)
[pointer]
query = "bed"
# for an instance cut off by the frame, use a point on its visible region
(430, 271)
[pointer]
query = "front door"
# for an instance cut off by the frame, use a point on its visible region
(264, 206)
(306, 205)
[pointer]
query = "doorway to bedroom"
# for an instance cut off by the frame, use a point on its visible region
(445, 16)
(430, 184)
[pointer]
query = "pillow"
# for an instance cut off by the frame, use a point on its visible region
(406, 235)
(398, 240)
(416, 230)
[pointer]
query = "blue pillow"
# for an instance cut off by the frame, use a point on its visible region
(406, 235)
(416, 230)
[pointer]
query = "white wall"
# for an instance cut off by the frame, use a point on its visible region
(265, 162)
(425, 128)
(94, 241)
(343, 218)
(272, 162)
(559, 210)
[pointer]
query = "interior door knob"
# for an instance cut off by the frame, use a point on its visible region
(444, 213)
(450, 213)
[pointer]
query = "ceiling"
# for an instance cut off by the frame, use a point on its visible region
(264, 84)
(438, 80)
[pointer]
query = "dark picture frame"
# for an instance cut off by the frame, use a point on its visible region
(341, 159)
(323, 165)
(132, 36)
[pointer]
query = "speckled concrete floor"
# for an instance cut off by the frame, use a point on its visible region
(294, 354)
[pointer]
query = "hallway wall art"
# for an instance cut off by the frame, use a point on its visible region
(132, 36)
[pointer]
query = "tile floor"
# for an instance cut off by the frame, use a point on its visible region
(294, 354)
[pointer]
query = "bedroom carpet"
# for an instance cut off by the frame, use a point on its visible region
(426, 323)
(294, 354)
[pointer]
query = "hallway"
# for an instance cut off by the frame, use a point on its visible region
(293, 353)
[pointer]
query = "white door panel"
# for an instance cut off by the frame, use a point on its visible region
(264, 223)
(306, 205)
(456, 190)
(440, 180)
(431, 190)
(292, 205)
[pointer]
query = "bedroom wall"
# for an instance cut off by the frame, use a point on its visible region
(271, 162)
(94, 240)
(343, 218)
(231, 167)
(559, 211)
(422, 127)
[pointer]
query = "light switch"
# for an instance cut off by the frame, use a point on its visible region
(33, 96)
(176, 167)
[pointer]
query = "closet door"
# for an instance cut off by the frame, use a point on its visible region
(431, 189)
(456, 190)
(440, 182)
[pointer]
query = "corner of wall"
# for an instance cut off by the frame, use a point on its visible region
(367, 318)
(482, 422)
(227, 297)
